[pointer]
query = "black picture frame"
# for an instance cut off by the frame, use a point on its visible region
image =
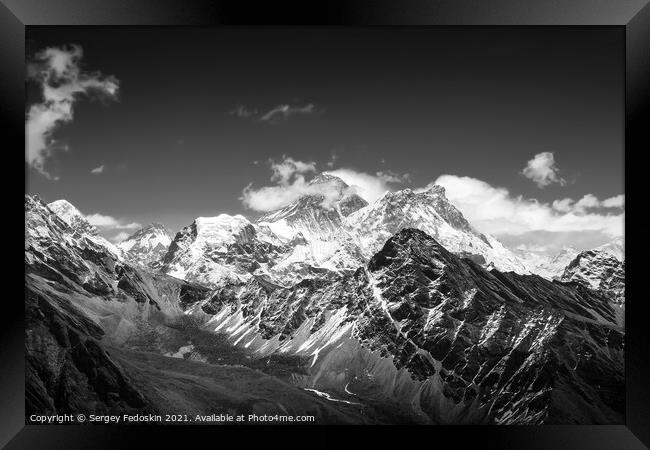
(631, 15)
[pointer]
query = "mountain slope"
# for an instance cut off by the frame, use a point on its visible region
(304, 239)
(147, 246)
(316, 216)
(418, 330)
(600, 270)
(72, 216)
(615, 248)
(61, 262)
(78, 222)
(421, 326)
(79, 294)
(431, 212)
(97, 331)
(215, 250)
(327, 232)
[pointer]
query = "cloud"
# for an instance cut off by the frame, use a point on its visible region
(97, 170)
(368, 186)
(552, 242)
(617, 201)
(119, 237)
(493, 210)
(271, 198)
(393, 177)
(288, 167)
(102, 221)
(564, 205)
(289, 176)
(276, 114)
(589, 201)
(527, 247)
(332, 161)
(542, 170)
(243, 112)
(62, 82)
(283, 112)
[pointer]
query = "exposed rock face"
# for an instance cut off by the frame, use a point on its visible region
(458, 343)
(78, 295)
(431, 212)
(72, 216)
(304, 239)
(80, 225)
(66, 369)
(330, 231)
(417, 330)
(615, 248)
(599, 270)
(319, 215)
(99, 333)
(147, 246)
(216, 250)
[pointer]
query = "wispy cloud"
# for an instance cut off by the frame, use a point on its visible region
(370, 186)
(243, 112)
(288, 167)
(62, 82)
(283, 112)
(290, 183)
(543, 170)
(333, 159)
(277, 114)
(288, 174)
(97, 170)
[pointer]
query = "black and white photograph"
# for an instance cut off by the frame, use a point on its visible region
(326, 226)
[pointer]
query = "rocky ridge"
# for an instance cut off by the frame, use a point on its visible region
(459, 343)
(413, 325)
(147, 246)
(324, 234)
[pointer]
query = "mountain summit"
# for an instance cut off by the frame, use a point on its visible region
(319, 213)
(72, 216)
(329, 229)
(431, 212)
(147, 246)
(417, 327)
(78, 222)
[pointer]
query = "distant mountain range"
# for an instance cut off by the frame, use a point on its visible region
(309, 237)
(397, 311)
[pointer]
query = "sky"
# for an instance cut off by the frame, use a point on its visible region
(522, 125)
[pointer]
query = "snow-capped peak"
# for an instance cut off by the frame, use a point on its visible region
(219, 229)
(327, 198)
(71, 223)
(431, 212)
(154, 234)
(72, 216)
(318, 214)
(599, 269)
(147, 246)
(326, 177)
(615, 248)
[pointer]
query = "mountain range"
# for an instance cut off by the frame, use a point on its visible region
(398, 311)
(319, 234)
